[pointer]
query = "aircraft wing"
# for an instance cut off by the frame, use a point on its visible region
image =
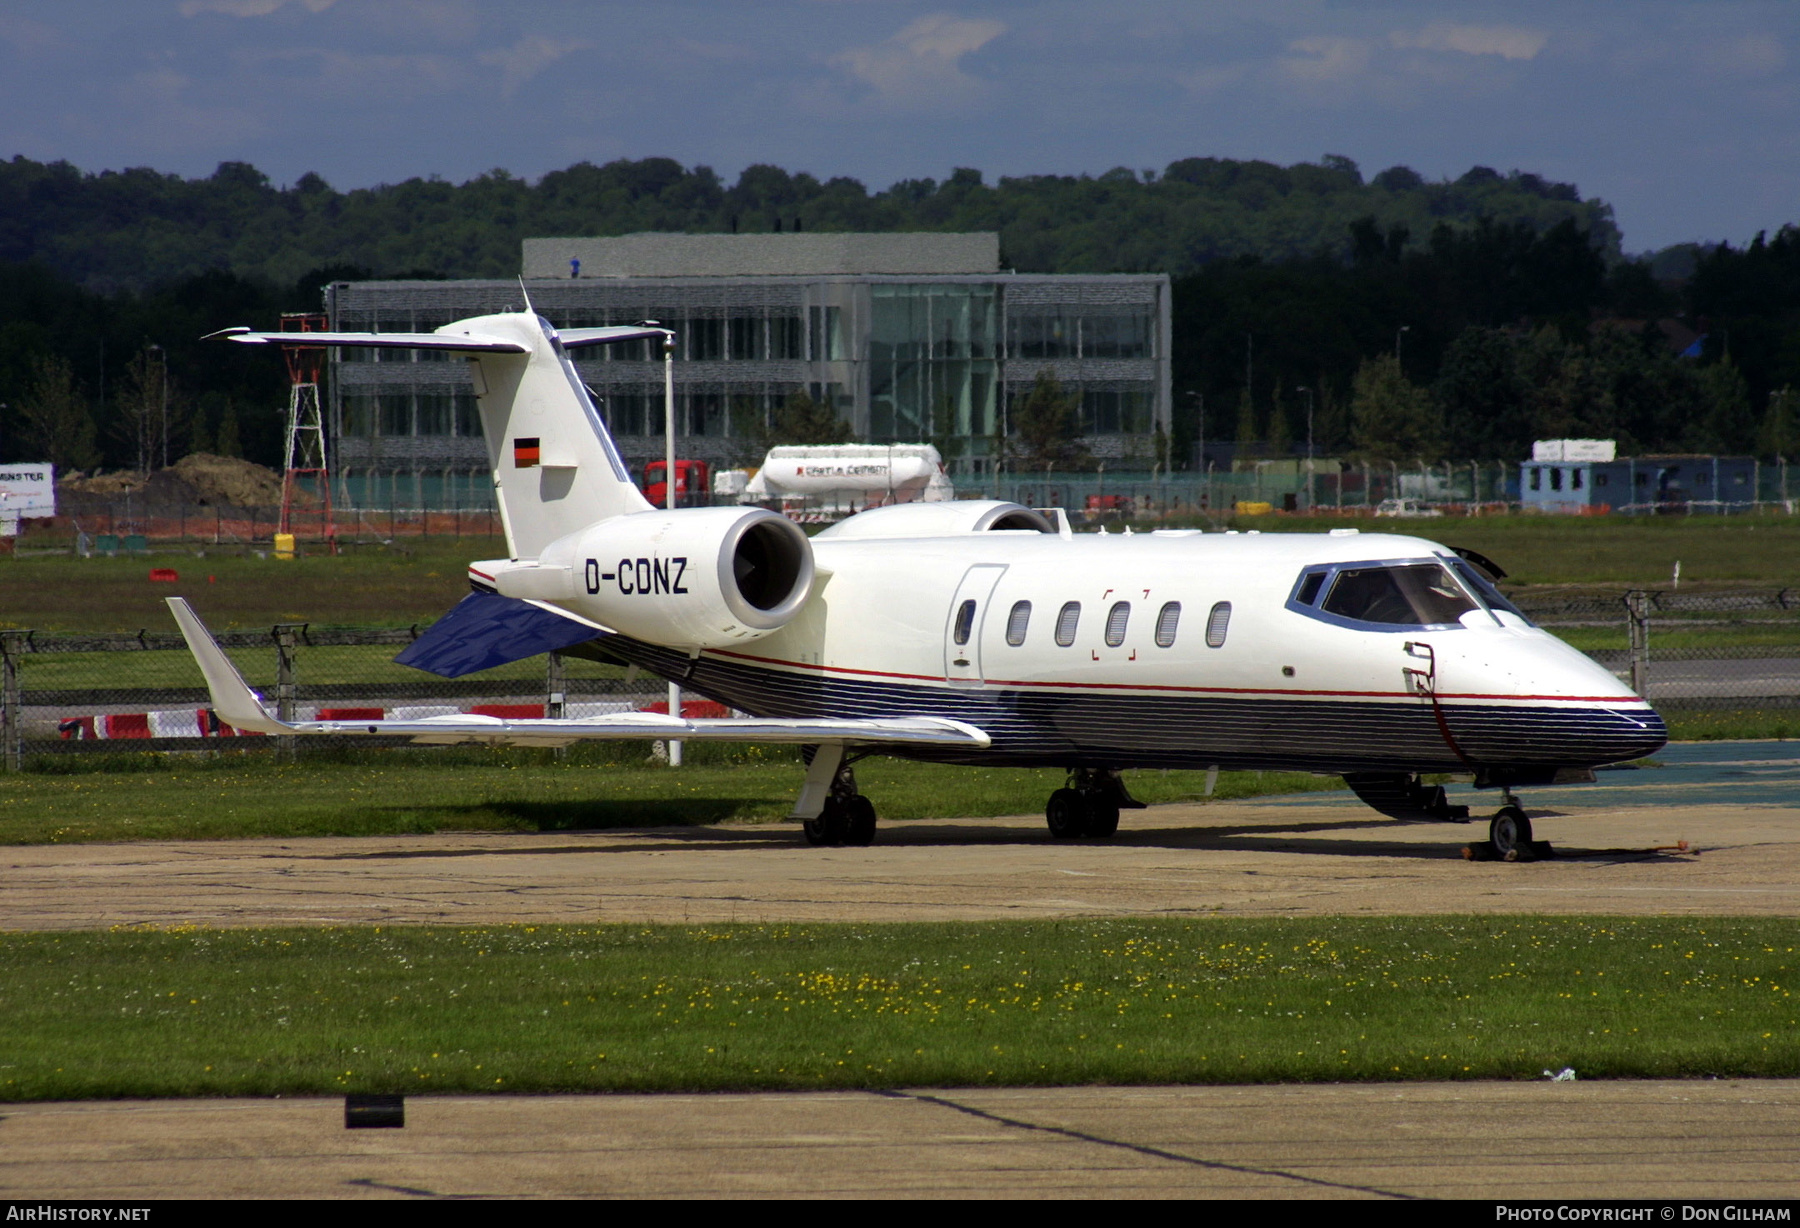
(238, 706)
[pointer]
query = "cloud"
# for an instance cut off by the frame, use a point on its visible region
(921, 62)
(1326, 58)
(528, 57)
(247, 8)
(1507, 42)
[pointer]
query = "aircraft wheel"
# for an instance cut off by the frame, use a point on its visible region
(1508, 830)
(1102, 818)
(859, 826)
(832, 825)
(1066, 814)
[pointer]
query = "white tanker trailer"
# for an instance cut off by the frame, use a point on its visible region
(829, 481)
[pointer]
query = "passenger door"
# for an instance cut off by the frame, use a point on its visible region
(962, 629)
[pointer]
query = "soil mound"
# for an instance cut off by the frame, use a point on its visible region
(200, 477)
(231, 480)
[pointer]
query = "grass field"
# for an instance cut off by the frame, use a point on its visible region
(366, 793)
(417, 579)
(1613, 551)
(642, 1008)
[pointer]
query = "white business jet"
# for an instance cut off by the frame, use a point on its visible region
(983, 632)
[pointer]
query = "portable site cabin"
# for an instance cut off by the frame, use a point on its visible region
(1582, 475)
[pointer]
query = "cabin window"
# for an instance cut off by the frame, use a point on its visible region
(1017, 621)
(1066, 620)
(1116, 618)
(1309, 588)
(965, 622)
(1166, 620)
(1217, 623)
(1403, 594)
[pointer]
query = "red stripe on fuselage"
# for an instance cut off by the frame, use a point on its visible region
(1610, 700)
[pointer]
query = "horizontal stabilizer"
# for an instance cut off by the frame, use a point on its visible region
(467, 343)
(575, 338)
(484, 630)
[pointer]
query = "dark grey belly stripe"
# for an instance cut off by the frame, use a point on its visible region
(1033, 727)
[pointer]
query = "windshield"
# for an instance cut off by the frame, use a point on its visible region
(1476, 579)
(1400, 594)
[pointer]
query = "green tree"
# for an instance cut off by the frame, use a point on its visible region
(57, 424)
(1249, 433)
(799, 419)
(1779, 435)
(1281, 440)
(1394, 419)
(1482, 395)
(1726, 423)
(1044, 425)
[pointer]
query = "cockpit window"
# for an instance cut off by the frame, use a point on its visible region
(1309, 588)
(1484, 588)
(1397, 594)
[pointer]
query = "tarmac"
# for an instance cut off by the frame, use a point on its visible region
(1618, 851)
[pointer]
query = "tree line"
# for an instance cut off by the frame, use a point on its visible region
(1395, 319)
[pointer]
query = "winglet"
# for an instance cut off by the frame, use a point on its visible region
(232, 699)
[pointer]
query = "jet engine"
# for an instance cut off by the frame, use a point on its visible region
(696, 577)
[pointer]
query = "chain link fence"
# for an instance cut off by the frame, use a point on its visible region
(1722, 651)
(65, 695)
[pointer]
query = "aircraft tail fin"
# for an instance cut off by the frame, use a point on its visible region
(555, 466)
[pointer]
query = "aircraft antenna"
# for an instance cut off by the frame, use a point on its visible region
(305, 458)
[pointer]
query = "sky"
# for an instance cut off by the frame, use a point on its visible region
(1684, 115)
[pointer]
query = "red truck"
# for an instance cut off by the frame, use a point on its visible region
(693, 481)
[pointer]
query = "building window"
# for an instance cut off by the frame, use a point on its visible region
(1537, 478)
(1575, 479)
(1556, 479)
(746, 338)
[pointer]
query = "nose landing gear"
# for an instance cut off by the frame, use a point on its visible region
(1089, 805)
(1509, 831)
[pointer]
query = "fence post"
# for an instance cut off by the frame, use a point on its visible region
(555, 695)
(12, 647)
(287, 640)
(1637, 625)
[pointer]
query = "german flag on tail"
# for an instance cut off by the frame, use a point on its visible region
(525, 453)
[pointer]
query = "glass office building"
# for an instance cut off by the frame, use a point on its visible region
(910, 338)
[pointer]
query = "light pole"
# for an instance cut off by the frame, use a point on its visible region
(669, 492)
(1200, 401)
(162, 364)
(1309, 443)
(1398, 333)
(1309, 419)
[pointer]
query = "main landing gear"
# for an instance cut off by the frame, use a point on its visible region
(847, 817)
(1089, 805)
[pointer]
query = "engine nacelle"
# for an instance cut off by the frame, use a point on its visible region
(695, 577)
(951, 518)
